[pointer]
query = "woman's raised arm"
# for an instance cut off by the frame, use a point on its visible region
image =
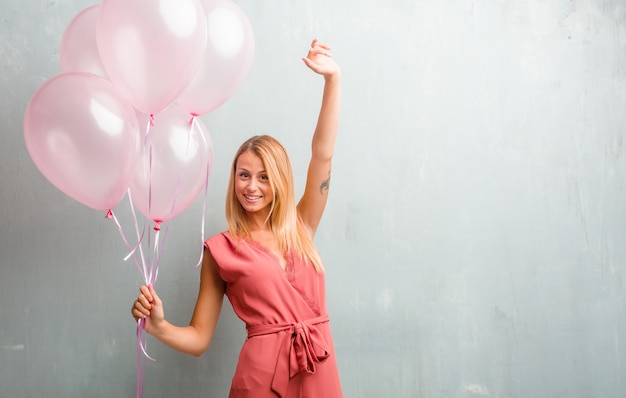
(312, 204)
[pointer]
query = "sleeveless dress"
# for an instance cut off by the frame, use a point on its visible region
(289, 351)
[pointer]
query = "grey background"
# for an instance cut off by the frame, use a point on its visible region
(475, 237)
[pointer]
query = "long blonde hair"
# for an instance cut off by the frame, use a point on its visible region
(283, 216)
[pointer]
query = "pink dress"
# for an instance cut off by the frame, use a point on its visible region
(289, 351)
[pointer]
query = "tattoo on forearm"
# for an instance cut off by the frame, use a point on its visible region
(325, 185)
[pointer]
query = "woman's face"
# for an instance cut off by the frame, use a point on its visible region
(252, 186)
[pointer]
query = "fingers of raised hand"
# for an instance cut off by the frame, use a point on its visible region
(317, 43)
(318, 48)
(316, 52)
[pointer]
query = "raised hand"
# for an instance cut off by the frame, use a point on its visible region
(319, 59)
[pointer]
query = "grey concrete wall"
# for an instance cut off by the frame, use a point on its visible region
(474, 240)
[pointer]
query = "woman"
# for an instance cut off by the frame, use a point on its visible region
(268, 267)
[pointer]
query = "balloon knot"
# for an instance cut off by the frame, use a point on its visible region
(152, 119)
(109, 214)
(157, 225)
(193, 116)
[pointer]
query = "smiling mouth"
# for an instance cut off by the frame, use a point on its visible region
(252, 197)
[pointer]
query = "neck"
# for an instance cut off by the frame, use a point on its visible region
(258, 222)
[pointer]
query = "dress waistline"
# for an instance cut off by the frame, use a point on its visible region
(303, 347)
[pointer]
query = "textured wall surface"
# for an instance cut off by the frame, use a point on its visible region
(474, 240)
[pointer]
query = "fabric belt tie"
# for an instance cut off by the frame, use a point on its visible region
(302, 348)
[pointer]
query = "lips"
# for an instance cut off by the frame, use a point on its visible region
(252, 198)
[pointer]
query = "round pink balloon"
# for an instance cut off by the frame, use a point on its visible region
(177, 159)
(83, 136)
(79, 51)
(227, 59)
(152, 48)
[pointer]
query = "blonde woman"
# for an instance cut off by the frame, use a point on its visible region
(267, 266)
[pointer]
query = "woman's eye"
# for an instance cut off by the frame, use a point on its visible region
(243, 175)
(263, 178)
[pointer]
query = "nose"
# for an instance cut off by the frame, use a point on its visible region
(252, 184)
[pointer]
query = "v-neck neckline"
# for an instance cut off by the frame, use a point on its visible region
(285, 261)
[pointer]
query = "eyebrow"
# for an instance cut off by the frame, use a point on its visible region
(244, 169)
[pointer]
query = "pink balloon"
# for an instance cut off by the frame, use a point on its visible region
(227, 59)
(177, 158)
(152, 48)
(82, 135)
(79, 51)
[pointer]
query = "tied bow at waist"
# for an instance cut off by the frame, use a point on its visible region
(303, 347)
